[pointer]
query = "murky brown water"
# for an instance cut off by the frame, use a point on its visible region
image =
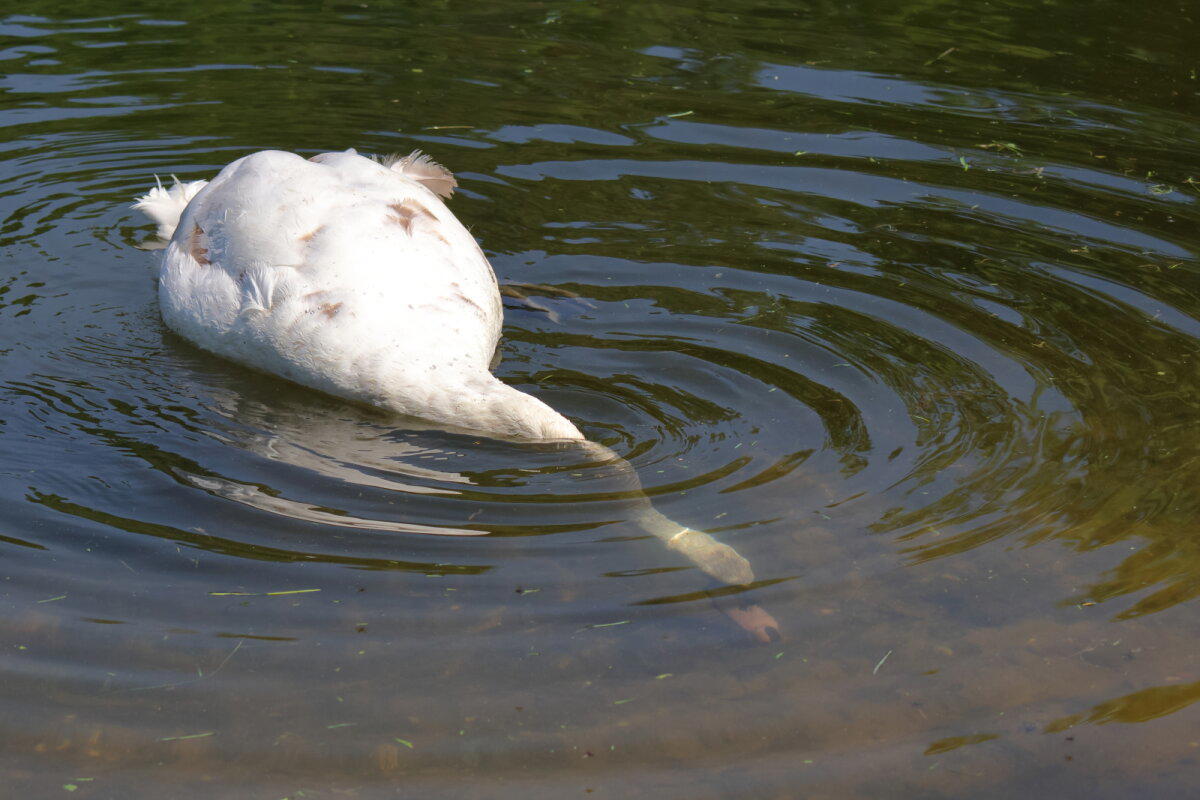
(902, 300)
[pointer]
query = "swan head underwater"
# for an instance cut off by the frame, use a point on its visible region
(351, 276)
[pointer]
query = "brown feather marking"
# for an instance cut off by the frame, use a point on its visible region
(408, 212)
(194, 249)
(330, 310)
(459, 296)
(308, 236)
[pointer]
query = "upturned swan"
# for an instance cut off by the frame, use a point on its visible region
(351, 276)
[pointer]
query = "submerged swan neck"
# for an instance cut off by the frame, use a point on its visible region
(623, 472)
(714, 558)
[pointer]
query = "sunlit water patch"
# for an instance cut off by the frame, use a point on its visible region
(906, 312)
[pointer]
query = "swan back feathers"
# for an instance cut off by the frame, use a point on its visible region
(346, 275)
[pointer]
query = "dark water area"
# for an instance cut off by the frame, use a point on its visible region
(900, 299)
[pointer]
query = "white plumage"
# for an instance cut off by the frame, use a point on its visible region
(351, 276)
(345, 275)
(165, 205)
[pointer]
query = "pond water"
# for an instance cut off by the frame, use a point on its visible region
(900, 299)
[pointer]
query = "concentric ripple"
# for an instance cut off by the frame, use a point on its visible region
(918, 334)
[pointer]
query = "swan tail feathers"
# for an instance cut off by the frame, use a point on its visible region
(165, 205)
(420, 167)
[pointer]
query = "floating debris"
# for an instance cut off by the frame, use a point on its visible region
(880, 664)
(189, 736)
(262, 594)
(1008, 146)
(940, 56)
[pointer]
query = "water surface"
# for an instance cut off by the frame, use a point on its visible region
(902, 300)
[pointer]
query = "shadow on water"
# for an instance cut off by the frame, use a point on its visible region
(900, 299)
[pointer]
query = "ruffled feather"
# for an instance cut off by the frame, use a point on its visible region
(422, 168)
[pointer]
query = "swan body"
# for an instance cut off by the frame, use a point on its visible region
(351, 276)
(348, 276)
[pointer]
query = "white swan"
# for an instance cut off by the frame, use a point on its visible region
(351, 276)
